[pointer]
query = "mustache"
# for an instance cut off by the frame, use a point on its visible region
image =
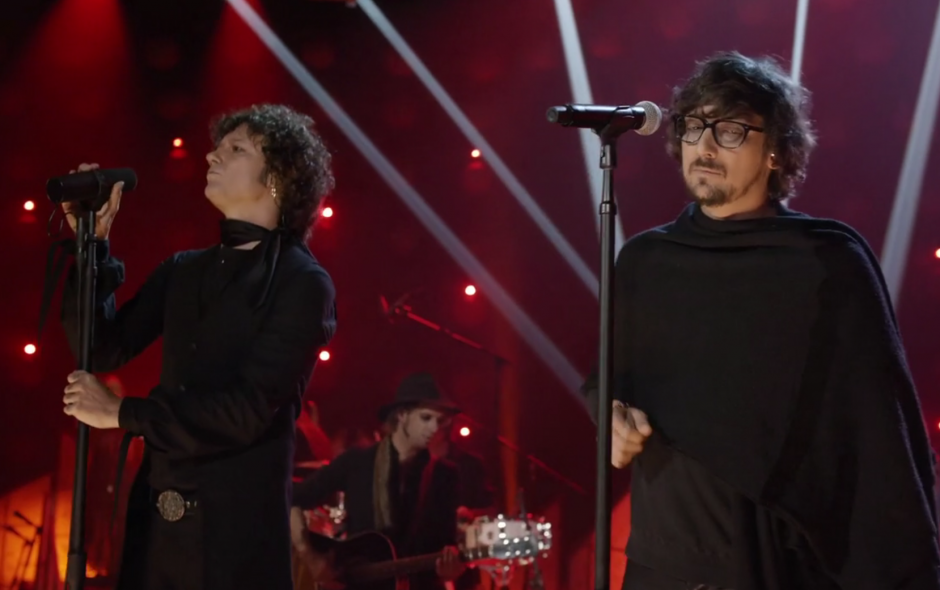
(707, 165)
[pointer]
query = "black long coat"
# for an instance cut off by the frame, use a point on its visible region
(221, 420)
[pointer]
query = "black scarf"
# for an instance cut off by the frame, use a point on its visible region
(235, 232)
(259, 271)
(767, 350)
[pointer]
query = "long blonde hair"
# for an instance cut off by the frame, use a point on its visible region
(381, 499)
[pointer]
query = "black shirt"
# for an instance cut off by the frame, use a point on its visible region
(227, 263)
(220, 270)
(475, 489)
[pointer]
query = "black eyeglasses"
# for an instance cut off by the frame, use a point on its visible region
(727, 134)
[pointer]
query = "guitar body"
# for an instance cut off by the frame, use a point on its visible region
(357, 551)
(363, 549)
(367, 561)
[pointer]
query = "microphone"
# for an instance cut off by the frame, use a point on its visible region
(390, 311)
(90, 185)
(643, 117)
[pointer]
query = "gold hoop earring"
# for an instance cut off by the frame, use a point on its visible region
(274, 195)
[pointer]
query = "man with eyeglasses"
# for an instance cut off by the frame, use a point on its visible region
(761, 390)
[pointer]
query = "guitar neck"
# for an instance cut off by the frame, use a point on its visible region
(406, 566)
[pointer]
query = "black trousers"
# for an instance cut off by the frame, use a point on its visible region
(172, 557)
(640, 577)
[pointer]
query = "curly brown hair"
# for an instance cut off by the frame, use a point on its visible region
(734, 84)
(295, 156)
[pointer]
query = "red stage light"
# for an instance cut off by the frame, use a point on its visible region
(177, 143)
(29, 205)
(470, 290)
(324, 355)
(30, 349)
(937, 253)
(327, 212)
(475, 154)
(464, 431)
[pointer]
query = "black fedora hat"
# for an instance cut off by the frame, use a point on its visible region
(418, 389)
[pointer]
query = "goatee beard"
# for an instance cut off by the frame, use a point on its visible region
(713, 197)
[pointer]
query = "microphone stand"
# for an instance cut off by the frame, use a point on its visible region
(533, 581)
(86, 265)
(532, 459)
(608, 213)
(26, 551)
(399, 309)
(609, 123)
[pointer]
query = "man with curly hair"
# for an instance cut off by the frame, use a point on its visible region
(760, 388)
(241, 324)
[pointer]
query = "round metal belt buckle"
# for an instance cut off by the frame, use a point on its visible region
(171, 506)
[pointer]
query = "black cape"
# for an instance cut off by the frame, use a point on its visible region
(767, 350)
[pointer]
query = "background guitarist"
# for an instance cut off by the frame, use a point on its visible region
(394, 487)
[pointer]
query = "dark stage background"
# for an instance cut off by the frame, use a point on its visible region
(115, 82)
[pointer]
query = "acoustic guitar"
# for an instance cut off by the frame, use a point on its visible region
(367, 561)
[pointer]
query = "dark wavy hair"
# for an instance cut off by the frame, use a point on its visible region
(295, 156)
(734, 84)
